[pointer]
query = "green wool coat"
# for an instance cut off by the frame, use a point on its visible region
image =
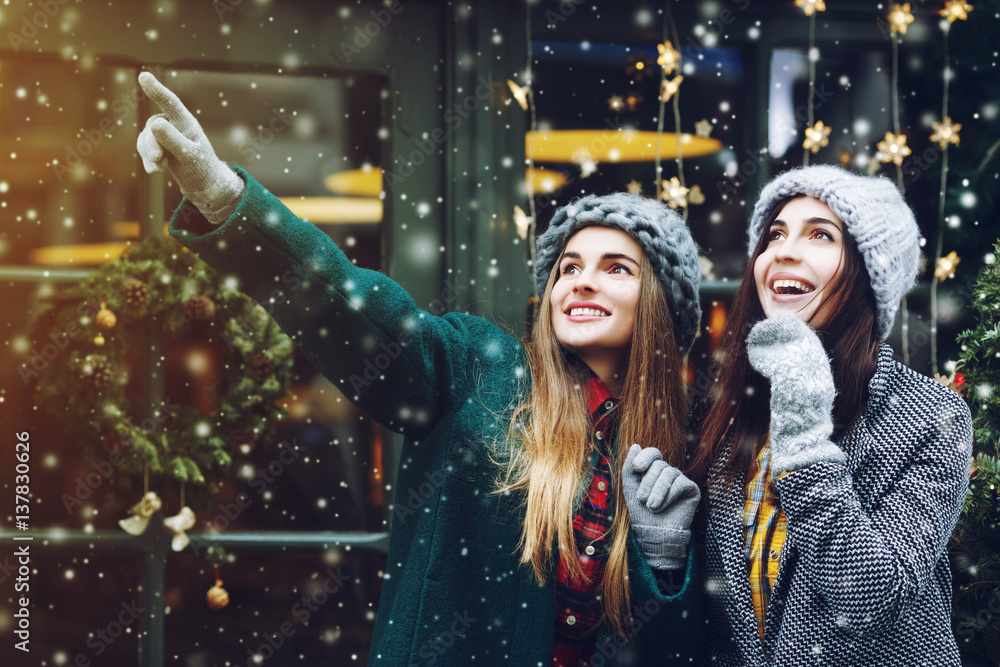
(454, 590)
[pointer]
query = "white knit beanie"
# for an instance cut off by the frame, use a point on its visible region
(876, 217)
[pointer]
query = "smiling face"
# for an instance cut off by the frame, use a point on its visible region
(594, 298)
(801, 261)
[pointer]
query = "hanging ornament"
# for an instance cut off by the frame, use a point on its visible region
(945, 267)
(703, 128)
(817, 136)
(669, 88)
(199, 308)
(632, 100)
(810, 7)
(674, 193)
(695, 195)
(638, 66)
(893, 148)
(177, 524)
(136, 293)
(141, 513)
(105, 319)
(945, 133)
(98, 340)
(900, 18)
(669, 58)
(955, 10)
(520, 93)
(634, 187)
(523, 222)
(217, 596)
(96, 371)
(615, 103)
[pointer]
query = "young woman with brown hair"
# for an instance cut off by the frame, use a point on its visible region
(833, 474)
(544, 536)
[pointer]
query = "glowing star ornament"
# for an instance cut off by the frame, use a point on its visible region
(634, 187)
(900, 18)
(141, 513)
(893, 148)
(810, 7)
(632, 100)
(946, 266)
(523, 222)
(669, 88)
(945, 133)
(817, 136)
(695, 195)
(615, 103)
(955, 10)
(703, 128)
(520, 93)
(674, 194)
(669, 58)
(178, 524)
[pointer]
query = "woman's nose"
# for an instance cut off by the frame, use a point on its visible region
(789, 250)
(585, 282)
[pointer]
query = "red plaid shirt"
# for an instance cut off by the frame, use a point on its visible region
(578, 603)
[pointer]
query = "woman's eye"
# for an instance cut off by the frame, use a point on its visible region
(827, 236)
(569, 268)
(773, 235)
(621, 269)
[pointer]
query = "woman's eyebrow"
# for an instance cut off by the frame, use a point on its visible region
(605, 257)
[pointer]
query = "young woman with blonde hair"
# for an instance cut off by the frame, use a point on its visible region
(544, 539)
(834, 475)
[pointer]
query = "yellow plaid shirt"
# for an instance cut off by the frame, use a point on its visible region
(764, 532)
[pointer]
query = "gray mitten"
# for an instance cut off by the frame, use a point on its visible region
(174, 140)
(661, 505)
(786, 351)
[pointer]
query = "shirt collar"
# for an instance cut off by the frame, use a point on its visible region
(599, 399)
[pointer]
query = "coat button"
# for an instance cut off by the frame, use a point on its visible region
(608, 405)
(571, 620)
(589, 550)
(601, 486)
(774, 554)
(599, 435)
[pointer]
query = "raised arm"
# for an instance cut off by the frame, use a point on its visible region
(364, 332)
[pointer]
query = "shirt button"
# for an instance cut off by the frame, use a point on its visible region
(608, 405)
(599, 435)
(589, 550)
(774, 554)
(601, 486)
(571, 620)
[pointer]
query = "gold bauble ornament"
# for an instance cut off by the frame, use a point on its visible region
(217, 596)
(105, 318)
(98, 340)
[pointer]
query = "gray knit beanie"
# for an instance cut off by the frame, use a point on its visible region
(876, 217)
(658, 230)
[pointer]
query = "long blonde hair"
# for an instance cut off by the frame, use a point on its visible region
(551, 444)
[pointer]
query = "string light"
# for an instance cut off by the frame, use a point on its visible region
(817, 137)
(900, 18)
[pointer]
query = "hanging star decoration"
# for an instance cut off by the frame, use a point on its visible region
(639, 66)
(523, 222)
(586, 162)
(945, 267)
(810, 7)
(674, 193)
(945, 133)
(817, 136)
(695, 195)
(703, 128)
(520, 93)
(955, 10)
(669, 58)
(632, 100)
(670, 87)
(634, 187)
(900, 18)
(893, 148)
(615, 103)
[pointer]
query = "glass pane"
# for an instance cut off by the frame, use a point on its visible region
(69, 188)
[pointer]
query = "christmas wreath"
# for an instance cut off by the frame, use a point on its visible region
(88, 347)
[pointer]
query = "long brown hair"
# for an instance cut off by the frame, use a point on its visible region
(739, 399)
(551, 439)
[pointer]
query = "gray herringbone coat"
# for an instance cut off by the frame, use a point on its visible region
(864, 576)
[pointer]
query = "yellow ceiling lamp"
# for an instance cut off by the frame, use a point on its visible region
(367, 181)
(615, 145)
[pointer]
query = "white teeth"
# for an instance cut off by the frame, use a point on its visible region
(802, 287)
(588, 312)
